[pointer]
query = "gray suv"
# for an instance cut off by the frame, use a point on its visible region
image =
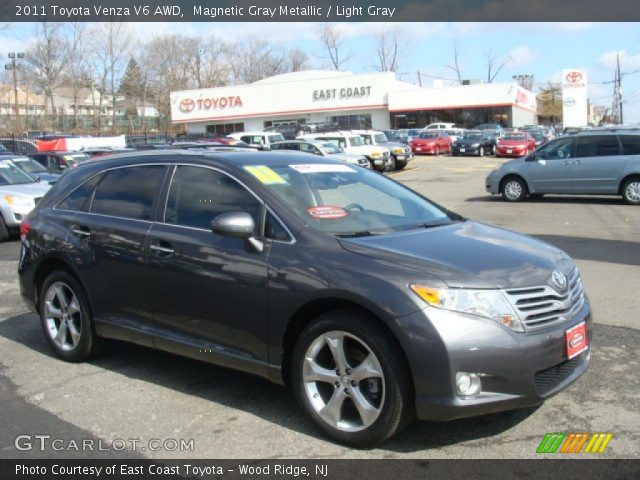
(604, 162)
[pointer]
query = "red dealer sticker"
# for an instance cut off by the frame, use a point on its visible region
(327, 212)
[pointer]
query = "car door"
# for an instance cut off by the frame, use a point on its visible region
(548, 170)
(598, 164)
(110, 246)
(208, 291)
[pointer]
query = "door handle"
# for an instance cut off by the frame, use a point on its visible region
(567, 162)
(80, 231)
(161, 250)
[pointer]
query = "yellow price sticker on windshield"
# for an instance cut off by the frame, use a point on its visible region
(266, 175)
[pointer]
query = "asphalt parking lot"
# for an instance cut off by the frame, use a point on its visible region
(135, 393)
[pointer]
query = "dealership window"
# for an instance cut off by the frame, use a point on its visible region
(225, 128)
(351, 122)
(462, 117)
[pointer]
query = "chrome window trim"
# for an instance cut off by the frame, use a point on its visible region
(175, 165)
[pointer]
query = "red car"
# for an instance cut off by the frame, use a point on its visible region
(431, 142)
(515, 145)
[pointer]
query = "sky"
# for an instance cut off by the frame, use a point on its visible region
(541, 49)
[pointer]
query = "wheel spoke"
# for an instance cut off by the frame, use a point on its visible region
(368, 413)
(367, 369)
(332, 411)
(312, 372)
(61, 335)
(52, 310)
(336, 345)
(62, 299)
(73, 307)
(74, 331)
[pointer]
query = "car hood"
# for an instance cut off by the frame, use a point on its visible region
(32, 190)
(513, 143)
(467, 254)
(346, 157)
(423, 141)
(392, 145)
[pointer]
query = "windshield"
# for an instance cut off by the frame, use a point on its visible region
(514, 136)
(73, 159)
(356, 141)
(345, 201)
(28, 165)
(428, 135)
(12, 175)
(476, 137)
(329, 148)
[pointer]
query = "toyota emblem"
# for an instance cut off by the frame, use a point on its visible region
(559, 280)
(574, 77)
(187, 104)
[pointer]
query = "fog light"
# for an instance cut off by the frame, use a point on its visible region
(468, 383)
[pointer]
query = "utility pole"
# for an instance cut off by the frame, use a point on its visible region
(419, 78)
(14, 67)
(616, 110)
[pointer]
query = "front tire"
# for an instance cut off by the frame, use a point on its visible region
(392, 166)
(66, 318)
(631, 191)
(513, 189)
(351, 379)
(4, 230)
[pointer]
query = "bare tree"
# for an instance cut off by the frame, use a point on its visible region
(455, 66)
(389, 45)
(495, 65)
(298, 60)
(75, 72)
(46, 58)
(332, 38)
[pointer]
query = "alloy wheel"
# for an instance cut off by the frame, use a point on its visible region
(513, 190)
(632, 191)
(63, 316)
(344, 381)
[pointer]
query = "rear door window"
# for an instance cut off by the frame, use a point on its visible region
(80, 198)
(128, 192)
(597, 146)
(630, 144)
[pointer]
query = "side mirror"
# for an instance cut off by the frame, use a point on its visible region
(234, 225)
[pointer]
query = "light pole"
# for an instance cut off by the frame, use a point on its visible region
(14, 67)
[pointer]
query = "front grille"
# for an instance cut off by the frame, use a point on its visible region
(549, 378)
(385, 154)
(542, 306)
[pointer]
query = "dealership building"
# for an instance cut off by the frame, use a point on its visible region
(371, 100)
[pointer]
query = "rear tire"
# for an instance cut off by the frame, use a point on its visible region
(371, 398)
(66, 318)
(4, 230)
(513, 189)
(631, 191)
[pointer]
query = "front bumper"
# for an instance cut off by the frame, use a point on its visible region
(492, 184)
(516, 369)
(510, 152)
(14, 214)
(423, 149)
(465, 151)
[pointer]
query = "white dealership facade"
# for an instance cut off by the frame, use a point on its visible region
(376, 100)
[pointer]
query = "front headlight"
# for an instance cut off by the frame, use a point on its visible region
(475, 145)
(375, 154)
(490, 304)
(17, 200)
(398, 150)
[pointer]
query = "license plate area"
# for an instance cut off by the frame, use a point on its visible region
(576, 340)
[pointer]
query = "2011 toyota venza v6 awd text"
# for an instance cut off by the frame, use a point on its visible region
(373, 303)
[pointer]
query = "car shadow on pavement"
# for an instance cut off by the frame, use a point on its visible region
(246, 392)
(596, 249)
(555, 199)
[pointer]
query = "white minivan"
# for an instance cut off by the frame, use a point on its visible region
(440, 126)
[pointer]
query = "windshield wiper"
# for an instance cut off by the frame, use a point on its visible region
(360, 233)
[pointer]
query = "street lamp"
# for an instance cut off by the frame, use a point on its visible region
(13, 66)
